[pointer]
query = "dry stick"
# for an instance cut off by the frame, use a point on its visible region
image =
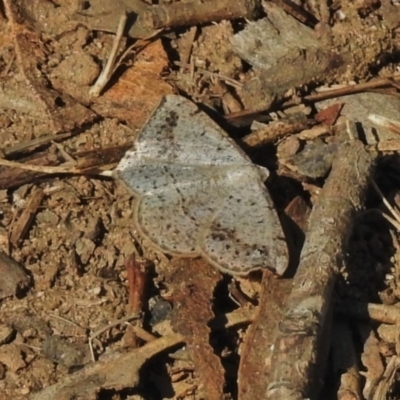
(108, 70)
(88, 163)
(298, 345)
(195, 12)
(66, 169)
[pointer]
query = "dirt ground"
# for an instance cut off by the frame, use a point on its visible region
(89, 309)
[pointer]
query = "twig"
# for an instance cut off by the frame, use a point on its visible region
(328, 94)
(395, 222)
(298, 346)
(350, 89)
(67, 169)
(91, 162)
(108, 70)
(276, 130)
(30, 145)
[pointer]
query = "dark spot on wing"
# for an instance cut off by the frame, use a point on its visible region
(218, 236)
(172, 119)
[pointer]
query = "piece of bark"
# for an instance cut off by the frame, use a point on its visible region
(254, 371)
(138, 90)
(23, 223)
(255, 362)
(329, 115)
(197, 12)
(278, 40)
(194, 282)
(298, 359)
(298, 211)
(14, 278)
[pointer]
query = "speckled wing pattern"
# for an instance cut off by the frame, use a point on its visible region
(197, 192)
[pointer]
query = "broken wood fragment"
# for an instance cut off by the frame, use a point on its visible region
(194, 282)
(299, 355)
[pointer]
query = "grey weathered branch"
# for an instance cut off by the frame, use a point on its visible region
(302, 343)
